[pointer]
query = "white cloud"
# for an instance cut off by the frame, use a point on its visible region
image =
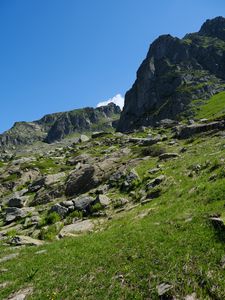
(118, 100)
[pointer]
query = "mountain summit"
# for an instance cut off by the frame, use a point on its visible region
(174, 75)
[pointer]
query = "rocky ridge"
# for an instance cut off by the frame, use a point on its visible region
(55, 127)
(176, 73)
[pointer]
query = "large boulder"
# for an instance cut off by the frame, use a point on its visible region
(82, 181)
(25, 240)
(84, 203)
(89, 176)
(60, 210)
(18, 201)
(184, 132)
(13, 214)
(77, 228)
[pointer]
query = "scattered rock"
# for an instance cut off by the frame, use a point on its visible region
(156, 181)
(13, 214)
(222, 262)
(4, 284)
(81, 181)
(168, 155)
(83, 158)
(21, 294)
(83, 138)
(218, 223)
(54, 178)
(191, 297)
(60, 210)
(167, 123)
(84, 203)
(98, 134)
(18, 202)
(154, 170)
(3, 270)
(25, 240)
(77, 228)
(103, 200)
(163, 288)
(41, 252)
(184, 132)
(8, 257)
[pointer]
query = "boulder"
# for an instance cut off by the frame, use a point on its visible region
(25, 240)
(89, 176)
(84, 203)
(77, 228)
(103, 200)
(167, 123)
(44, 195)
(163, 289)
(18, 201)
(98, 134)
(60, 210)
(164, 156)
(83, 138)
(81, 181)
(83, 158)
(13, 214)
(156, 181)
(54, 178)
(184, 132)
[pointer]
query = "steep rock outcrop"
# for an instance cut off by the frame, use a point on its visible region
(174, 73)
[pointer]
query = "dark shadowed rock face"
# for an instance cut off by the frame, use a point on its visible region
(175, 72)
(54, 127)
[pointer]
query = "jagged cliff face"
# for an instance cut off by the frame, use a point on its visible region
(54, 127)
(174, 73)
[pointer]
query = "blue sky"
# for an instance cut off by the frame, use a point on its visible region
(57, 55)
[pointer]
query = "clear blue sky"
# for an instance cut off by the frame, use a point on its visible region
(57, 55)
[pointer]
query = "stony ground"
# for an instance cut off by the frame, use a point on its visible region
(115, 216)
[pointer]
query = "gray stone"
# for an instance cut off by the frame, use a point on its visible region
(67, 203)
(163, 288)
(77, 228)
(18, 201)
(156, 181)
(21, 294)
(83, 138)
(81, 181)
(25, 240)
(184, 132)
(60, 210)
(193, 296)
(54, 178)
(8, 257)
(98, 134)
(154, 170)
(103, 200)
(84, 203)
(83, 158)
(168, 156)
(13, 214)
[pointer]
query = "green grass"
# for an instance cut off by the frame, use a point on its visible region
(46, 166)
(174, 242)
(213, 108)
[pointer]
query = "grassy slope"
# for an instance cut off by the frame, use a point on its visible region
(173, 243)
(214, 107)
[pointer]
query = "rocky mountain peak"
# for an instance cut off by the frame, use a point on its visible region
(214, 27)
(174, 73)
